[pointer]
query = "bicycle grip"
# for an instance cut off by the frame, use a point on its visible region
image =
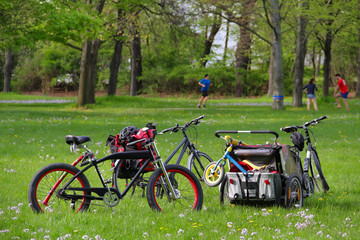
(322, 118)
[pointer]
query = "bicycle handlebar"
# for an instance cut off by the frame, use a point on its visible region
(253, 132)
(176, 128)
(294, 128)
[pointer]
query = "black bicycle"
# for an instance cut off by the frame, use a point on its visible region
(61, 186)
(197, 161)
(313, 174)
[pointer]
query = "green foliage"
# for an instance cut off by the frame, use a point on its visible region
(37, 69)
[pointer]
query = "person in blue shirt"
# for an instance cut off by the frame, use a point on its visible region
(311, 87)
(204, 83)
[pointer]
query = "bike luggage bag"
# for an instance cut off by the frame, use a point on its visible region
(264, 186)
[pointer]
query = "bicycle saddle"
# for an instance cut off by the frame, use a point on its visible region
(77, 140)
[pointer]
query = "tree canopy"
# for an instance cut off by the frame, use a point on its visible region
(167, 46)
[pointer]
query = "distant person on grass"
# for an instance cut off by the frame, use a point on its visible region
(344, 91)
(204, 83)
(311, 88)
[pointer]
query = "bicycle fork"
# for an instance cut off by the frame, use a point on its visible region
(164, 182)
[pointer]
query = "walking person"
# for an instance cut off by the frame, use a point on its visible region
(204, 83)
(344, 91)
(311, 88)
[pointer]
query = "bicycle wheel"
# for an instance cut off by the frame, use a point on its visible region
(317, 174)
(197, 166)
(293, 192)
(44, 190)
(223, 192)
(185, 184)
(212, 180)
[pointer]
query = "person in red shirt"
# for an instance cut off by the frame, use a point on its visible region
(344, 91)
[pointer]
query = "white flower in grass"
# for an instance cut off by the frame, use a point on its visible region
(145, 234)
(85, 237)
(277, 230)
(47, 237)
(319, 233)
(181, 215)
(201, 234)
(98, 237)
(26, 230)
(244, 231)
(167, 235)
(328, 236)
(14, 218)
(253, 233)
(344, 235)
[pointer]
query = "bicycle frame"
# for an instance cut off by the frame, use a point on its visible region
(145, 154)
(227, 156)
(185, 144)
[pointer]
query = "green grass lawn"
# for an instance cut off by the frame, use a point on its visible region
(32, 136)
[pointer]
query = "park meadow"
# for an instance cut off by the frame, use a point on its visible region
(32, 136)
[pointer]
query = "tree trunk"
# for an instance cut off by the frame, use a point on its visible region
(88, 66)
(358, 73)
(243, 50)
(8, 67)
(270, 84)
(116, 58)
(299, 61)
(318, 64)
(313, 61)
(215, 27)
(88, 71)
(226, 41)
(327, 61)
(136, 61)
(278, 74)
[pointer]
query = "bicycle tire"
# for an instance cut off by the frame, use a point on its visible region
(223, 191)
(293, 192)
(45, 180)
(198, 166)
(184, 182)
(217, 178)
(317, 173)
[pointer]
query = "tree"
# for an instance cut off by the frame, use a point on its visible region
(136, 59)
(88, 68)
(116, 58)
(358, 70)
(330, 24)
(20, 26)
(8, 68)
(277, 70)
(209, 38)
(301, 48)
(243, 51)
